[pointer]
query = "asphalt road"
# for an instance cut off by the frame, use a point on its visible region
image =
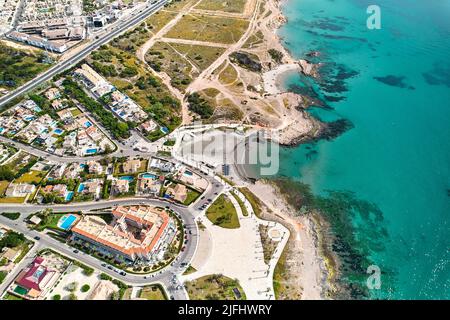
(66, 64)
(167, 277)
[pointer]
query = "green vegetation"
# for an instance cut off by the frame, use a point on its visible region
(200, 106)
(189, 270)
(192, 195)
(49, 220)
(241, 204)
(209, 28)
(19, 66)
(223, 214)
(268, 245)
(170, 143)
(12, 239)
(16, 241)
(9, 296)
(3, 275)
(281, 278)
(246, 60)
(11, 215)
(56, 297)
(200, 56)
(214, 287)
(163, 57)
(118, 129)
(276, 55)
(134, 79)
(33, 177)
(153, 292)
(85, 288)
(254, 201)
(157, 21)
(17, 167)
(228, 75)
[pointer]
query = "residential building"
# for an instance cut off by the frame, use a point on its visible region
(178, 193)
(120, 186)
(20, 190)
(136, 232)
(35, 280)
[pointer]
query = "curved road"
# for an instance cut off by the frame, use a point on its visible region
(167, 277)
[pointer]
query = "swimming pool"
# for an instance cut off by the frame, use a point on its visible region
(69, 196)
(129, 178)
(58, 131)
(164, 130)
(188, 173)
(88, 124)
(80, 187)
(67, 221)
(148, 176)
(91, 151)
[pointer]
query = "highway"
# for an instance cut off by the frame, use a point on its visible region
(66, 64)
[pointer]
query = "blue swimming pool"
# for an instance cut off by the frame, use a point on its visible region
(129, 178)
(91, 151)
(80, 187)
(66, 222)
(58, 131)
(188, 173)
(164, 130)
(69, 196)
(88, 124)
(148, 176)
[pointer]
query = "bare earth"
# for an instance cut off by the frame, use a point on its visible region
(253, 94)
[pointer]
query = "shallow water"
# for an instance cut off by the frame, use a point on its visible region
(393, 84)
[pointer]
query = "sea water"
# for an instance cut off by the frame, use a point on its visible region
(393, 84)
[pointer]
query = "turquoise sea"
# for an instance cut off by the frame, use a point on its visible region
(393, 84)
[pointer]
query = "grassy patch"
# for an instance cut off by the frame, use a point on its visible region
(12, 200)
(157, 21)
(223, 214)
(9, 296)
(232, 6)
(3, 186)
(11, 215)
(209, 28)
(19, 66)
(241, 204)
(153, 292)
(200, 56)
(163, 57)
(33, 177)
(229, 75)
(192, 195)
(214, 287)
(189, 270)
(254, 201)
